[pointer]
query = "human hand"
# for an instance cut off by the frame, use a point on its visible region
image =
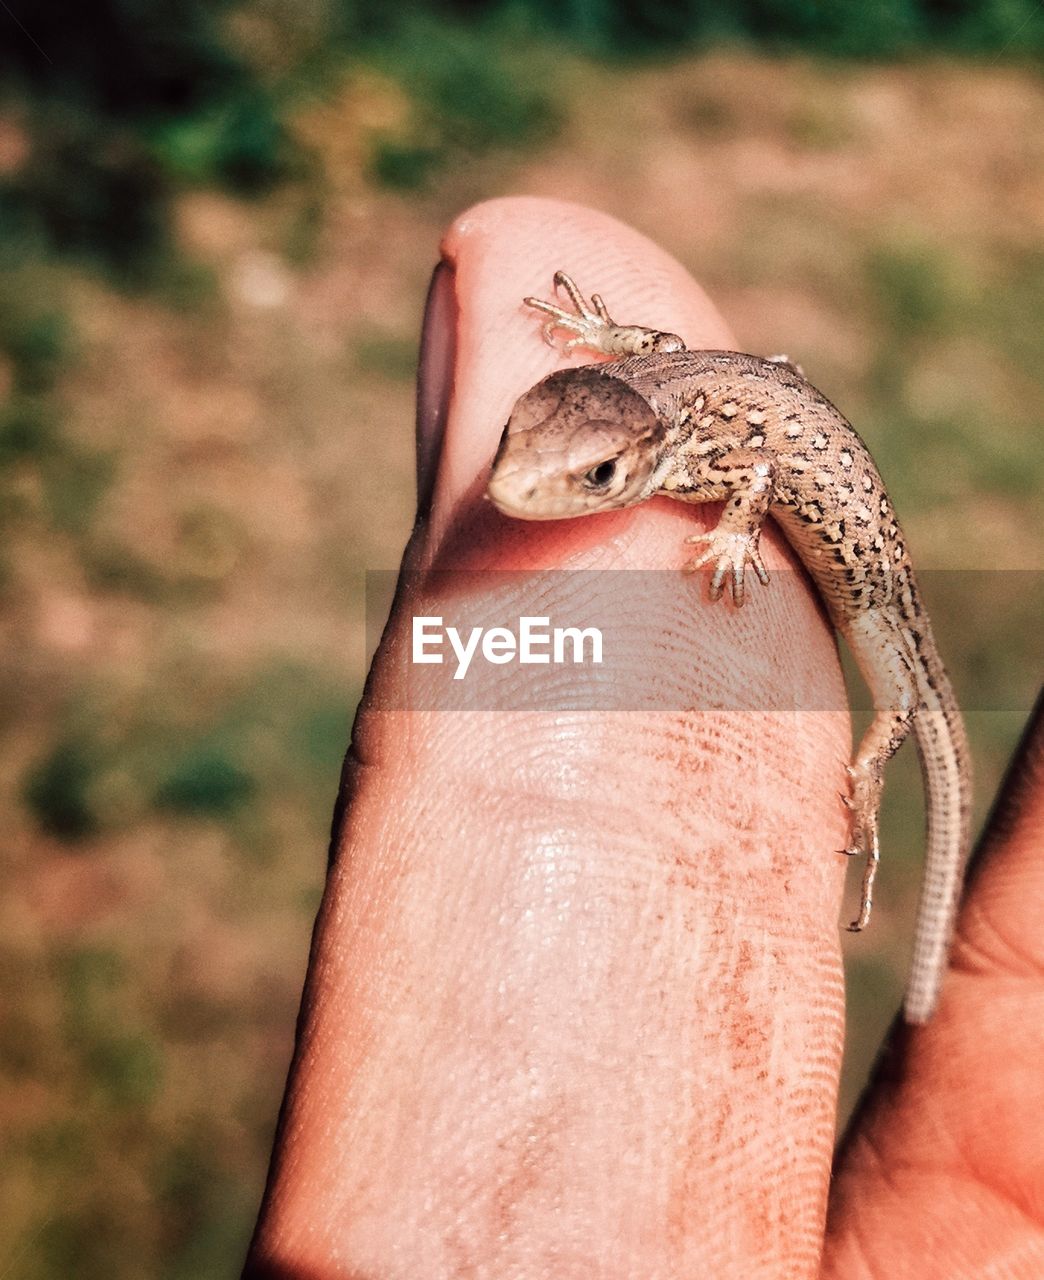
(575, 1000)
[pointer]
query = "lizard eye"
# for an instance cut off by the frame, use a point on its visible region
(601, 476)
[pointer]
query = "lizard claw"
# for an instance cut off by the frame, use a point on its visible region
(587, 323)
(587, 329)
(864, 802)
(730, 553)
(548, 332)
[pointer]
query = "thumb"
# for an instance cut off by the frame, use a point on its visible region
(575, 1002)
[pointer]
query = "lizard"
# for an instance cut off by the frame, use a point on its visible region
(706, 426)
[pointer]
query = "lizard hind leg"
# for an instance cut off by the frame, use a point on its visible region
(880, 742)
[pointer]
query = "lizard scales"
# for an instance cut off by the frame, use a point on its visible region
(704, 426)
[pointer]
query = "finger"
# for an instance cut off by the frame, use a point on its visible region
(942, 1173)
(497, 357)
(575, 998)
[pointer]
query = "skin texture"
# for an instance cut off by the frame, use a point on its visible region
(560, 1019)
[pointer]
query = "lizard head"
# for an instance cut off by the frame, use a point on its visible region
(579, 441)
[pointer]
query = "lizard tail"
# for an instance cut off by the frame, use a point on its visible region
(946, 767)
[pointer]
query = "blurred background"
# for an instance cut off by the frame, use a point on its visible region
(218, 222)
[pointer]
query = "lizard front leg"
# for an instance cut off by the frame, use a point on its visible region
(745, 478)
(594, 328)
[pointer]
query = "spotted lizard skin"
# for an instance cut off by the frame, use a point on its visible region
(706, 426)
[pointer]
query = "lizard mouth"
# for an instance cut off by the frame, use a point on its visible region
(516, 492)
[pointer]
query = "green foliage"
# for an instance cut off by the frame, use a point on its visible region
(124, 100)
(120, 1058)
(404, 166)
(71, 1236)
(1009, 312)
(977, 27)
(207, 1213)
(184, 757)
(34, 335)
(387, 356)
(839, 28)
(470, 94)
(205, 782)
(127, 1067)
(124, 58)
(127, 100)
(939, 314)
(916, 286)
(187, 285)
(875, 28)
(27, 430)
(112, 567)
(75, 480)
(72, 480)
(57, 791)
(89, 187)
(240, 144)
(35, 347)
(68, 479)
(463, 79)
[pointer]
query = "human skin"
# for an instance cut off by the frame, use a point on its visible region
(575, 1003)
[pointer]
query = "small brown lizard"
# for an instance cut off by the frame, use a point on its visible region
(705, 426)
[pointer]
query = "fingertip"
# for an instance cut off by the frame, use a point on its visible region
(499, 253)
